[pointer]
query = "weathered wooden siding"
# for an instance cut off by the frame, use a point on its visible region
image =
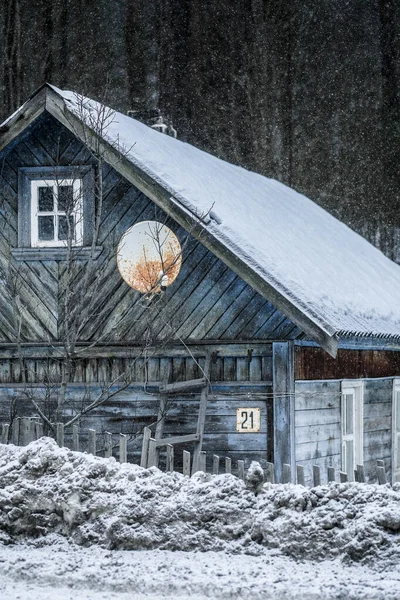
(207, 302)
(315, 363)
(378, 397)
(256, 367)
(136, 407)
(318, 427)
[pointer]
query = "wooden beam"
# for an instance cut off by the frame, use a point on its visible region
(211, 236)
(182, 386)
(178, 439)
(283, 407)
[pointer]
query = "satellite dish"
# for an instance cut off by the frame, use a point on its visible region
(149, 257)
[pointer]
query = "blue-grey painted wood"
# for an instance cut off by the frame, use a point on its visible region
(283, 407)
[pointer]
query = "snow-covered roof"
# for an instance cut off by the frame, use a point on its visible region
(327, 271)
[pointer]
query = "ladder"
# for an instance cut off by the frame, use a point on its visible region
(167, 389)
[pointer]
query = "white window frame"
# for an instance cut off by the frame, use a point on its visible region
(396, 431)
(77, 212)
(355, 387)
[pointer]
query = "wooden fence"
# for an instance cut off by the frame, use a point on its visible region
(27, 429)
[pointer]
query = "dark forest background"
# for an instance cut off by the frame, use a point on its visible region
(305, 91)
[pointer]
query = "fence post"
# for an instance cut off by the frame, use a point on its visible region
(269, 472)
(215, 464)
(60, 434)
(123, 448)
(15, 430)
(240, 464)
(186, 463)
(39, 429)
(25, 431)
(361, 473)
(300, 475)
(75, 438)
(343, 477)
(202, 461)
(5, 429)
(286, 473)
(92, 441)
(381, 475)
(331, 474)
(316, 475)
(145, 447)
(170, 458)
(107, 444)
(228, 465)
(152, 456)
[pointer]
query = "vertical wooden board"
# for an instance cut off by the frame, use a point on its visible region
(217, 369)
(5, 370)
(242, 369)
(165, 368)
(153, 369)
(229, 368)
(178, 369)
(255, 369)
(192, 369)
(283, 390)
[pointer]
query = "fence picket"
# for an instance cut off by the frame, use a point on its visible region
(186, 463)
(343, 477)
(123, 448)
(170, 458)
(5, 430)
(269, 472)
(215, 464)
(60, 434)
(107, 444)
(39, 430)
(361, 473)
(381, 475)
(152, 456)
(228, 465)
(240, 469)
(92, 441)
(316, 475)
(145, 447)
(331, 474)
(300, 475)
(15, 431)
(75, 438)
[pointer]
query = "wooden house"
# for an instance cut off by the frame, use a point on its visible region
(296, 316)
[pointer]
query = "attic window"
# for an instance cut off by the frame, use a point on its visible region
(56, 212)
(55, 205)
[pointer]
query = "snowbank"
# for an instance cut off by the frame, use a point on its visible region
(47, 490)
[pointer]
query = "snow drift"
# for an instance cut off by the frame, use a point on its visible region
(45, 489)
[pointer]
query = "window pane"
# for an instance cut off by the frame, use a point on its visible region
(46, 198)
(46, 228)
(349, 414)
(350, 459)
(63, 233)
(65, 198)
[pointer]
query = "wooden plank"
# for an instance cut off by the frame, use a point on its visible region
(331, 474)
(300, 475)
(145, 447)
(25, 431)
(75, 438)
(123, 448)
(360, 474)
(283, 407)
(5, 431)
(170, 458)
(316, 475)
(269, 472)
(60, 434)
(228, 465)
(215, 468)
(202, 461)
(108, 444)
(152, 456)
(343, 477)
(381, 475)
(186, 463)
(202, 415)
(183, 386)
(92, 441)
(240, 469)
(286, 473)
(178, 439)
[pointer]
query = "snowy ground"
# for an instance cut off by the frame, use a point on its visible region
(73, 526)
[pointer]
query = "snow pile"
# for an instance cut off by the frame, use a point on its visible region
(48, 490)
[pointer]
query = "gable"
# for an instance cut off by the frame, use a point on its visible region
(209, 301)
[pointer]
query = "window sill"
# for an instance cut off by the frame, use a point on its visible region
(78, 253)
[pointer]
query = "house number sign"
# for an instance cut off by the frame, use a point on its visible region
(248, 420)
